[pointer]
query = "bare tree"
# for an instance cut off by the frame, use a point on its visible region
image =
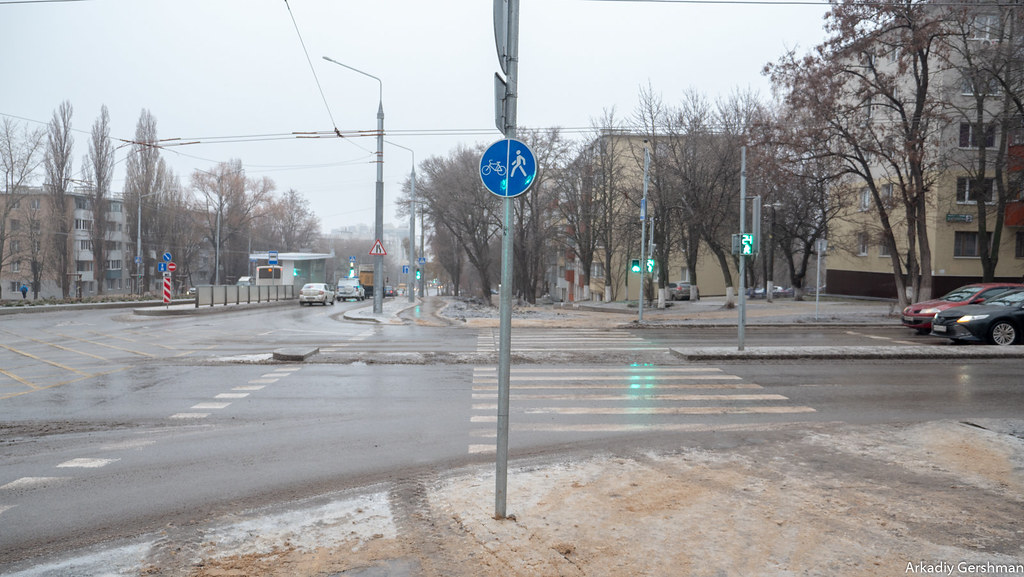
(535, 235)
(455, 200)
(231, 203)
(985, 52)
(144, 180)
(99, 167)
(290, 223)
(57, 160)
(869, 89)
(20, 156)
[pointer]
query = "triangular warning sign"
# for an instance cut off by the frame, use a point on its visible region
(378, 249)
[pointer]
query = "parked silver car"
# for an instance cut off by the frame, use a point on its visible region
(316, 292)
(678, 291)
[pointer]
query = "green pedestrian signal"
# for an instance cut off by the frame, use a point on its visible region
(747, 244)
(634, 265)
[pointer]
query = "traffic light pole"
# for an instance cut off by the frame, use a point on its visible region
(743, 258)
(643, 234)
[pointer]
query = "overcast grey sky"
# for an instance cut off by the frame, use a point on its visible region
(210, 69)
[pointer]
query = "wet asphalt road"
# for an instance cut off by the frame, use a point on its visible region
(112, 425)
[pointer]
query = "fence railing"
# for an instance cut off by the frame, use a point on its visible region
(212, 295)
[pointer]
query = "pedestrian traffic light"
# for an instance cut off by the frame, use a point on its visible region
(634, 265)
(747, 244)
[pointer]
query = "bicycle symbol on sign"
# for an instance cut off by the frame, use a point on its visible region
(494, 165)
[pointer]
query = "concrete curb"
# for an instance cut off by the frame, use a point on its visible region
(825, 353)
(295, 353)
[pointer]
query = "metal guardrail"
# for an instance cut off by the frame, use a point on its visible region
(212, 295)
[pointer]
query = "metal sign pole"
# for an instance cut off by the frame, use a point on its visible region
(505, 299)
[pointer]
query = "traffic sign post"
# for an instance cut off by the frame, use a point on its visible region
(271, 257)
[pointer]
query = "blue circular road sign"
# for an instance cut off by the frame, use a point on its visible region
(508, 168)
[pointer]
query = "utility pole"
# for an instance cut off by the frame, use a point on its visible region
(643, 233)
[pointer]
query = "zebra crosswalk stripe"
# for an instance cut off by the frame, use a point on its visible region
(609, 393)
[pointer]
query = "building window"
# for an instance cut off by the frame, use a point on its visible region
(15, 245)
(985, 27)
(15, 225)
(970, 85)
(966, 193)
(35, 204)
(969, 137)
(883, 249)
(113, 265)
(1019, 252)
(862, 244)
(115, 206)
(84, 245)
(83, 265)
(82, 224)
(82, 203)
(865, 199)
(965, 244)
(16, 266)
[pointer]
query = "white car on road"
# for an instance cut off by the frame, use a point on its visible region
(316, 292)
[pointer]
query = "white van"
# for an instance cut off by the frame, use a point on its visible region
(246, 281)
(349, 288)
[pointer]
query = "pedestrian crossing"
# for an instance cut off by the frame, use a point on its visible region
(525, 340)
(634, 398)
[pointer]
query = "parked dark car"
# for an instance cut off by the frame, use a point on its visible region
(918, 316)
(999, 321)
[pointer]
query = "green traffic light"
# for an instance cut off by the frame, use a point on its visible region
(634, 265)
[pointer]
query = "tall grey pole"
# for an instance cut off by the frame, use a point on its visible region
(378, 221)
(139, 261)
(643, 233)
(505, 293)
(411, 285)
(743, 259)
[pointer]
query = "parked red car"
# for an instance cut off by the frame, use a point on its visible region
(919, 316)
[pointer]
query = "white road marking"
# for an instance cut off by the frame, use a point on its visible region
(248, 388)
(189, 416)
(635, 397)
(262, 381)
(27, 482)
(667, 410)
(210, 406)
(86, 463)
(231, 396)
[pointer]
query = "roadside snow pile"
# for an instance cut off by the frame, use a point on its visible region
(475, 308)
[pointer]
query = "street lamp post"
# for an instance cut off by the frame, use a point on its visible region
(411, 288)
(378, 260)
(140, 261)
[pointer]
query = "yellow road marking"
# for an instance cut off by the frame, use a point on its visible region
(99, 344)
(19, 379)
(62, 383)
(42, 360)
